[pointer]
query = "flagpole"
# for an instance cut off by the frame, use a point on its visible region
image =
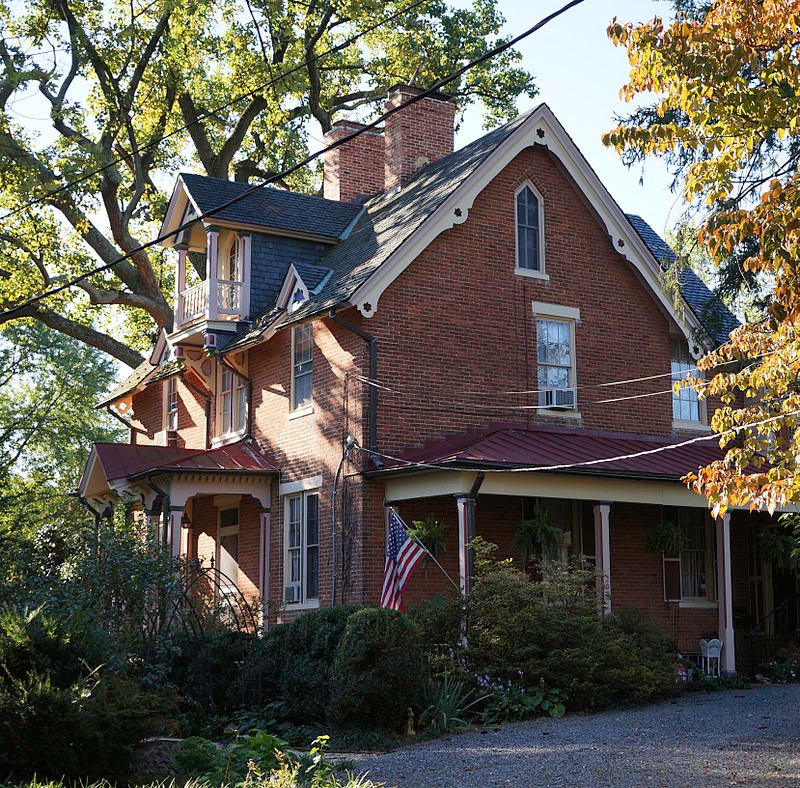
(429, 553)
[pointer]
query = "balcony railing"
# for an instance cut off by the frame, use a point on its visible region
(194, 301)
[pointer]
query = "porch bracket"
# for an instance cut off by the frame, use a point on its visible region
(725, 599)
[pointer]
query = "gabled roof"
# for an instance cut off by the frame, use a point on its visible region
(267, 207)
(543, 447)
(712, 313)
(118, 461)
(129, 384)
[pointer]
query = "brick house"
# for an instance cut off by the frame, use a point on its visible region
(460, 315)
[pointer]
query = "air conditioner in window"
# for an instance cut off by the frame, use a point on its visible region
(291, 593)
(558, 399)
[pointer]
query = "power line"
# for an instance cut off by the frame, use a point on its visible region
(289, 170)
(205, 115)
(582, 463)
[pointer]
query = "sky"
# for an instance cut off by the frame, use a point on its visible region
(579, 73)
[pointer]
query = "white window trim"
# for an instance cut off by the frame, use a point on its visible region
(689, 425)
(168, 383)
(234, 240)
(696, 602)
(563, 314)
(231, 435)
(541, 272)
(302, 494)
(302, 410)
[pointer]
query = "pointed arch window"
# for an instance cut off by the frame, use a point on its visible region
(529, 213)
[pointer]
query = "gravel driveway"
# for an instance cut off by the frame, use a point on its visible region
(743, 737)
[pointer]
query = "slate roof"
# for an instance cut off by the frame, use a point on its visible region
(709, 310)
(531, 447)
(275, 209)
(136, 377)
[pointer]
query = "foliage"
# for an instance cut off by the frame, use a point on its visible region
(378, 670)
(726, 81)
(536, 537)
(447, 705)
(783, 671)
(665, 538)
(119, 89)
(298, 662)
(431, 533)
(778, 547)
(509, 700)
(59, 715)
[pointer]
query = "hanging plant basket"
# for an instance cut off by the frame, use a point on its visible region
(537, 537)
(665, 539)
(431, 532)
(778, 547)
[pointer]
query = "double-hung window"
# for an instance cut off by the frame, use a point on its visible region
(685, 404)
(529, 231)
(555, 359)
(233, 402)
(172, 404)
(689, 574)
(302, 365)
(301, 567)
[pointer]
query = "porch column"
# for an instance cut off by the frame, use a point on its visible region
(211, 273)
(178, 537)
(244, 293)
(180, 285)
(602, 549)
(724, 596)
(263, 568)
(154, 527)
(466, 533)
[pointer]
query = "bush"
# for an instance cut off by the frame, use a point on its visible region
(298, 662)
(58, 715)
(379, 671)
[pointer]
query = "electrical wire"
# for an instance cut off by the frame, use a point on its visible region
(405, 463)
(289, 170)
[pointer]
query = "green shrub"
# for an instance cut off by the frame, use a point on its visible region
(298, 662)
(379, 670)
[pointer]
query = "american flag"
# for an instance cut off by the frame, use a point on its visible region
(402, 556)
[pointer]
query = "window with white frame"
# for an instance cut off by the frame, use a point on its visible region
(302, 365)
(301, 565)
(689, 574)
(685, 404)
(230, 261)
(171, 404)
(232, 402)
(555, 359)
(530, 227)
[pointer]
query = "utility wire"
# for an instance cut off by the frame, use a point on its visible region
(289, 170)
(404, 463)
(210, 113)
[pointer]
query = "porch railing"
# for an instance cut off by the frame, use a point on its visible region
(194, 301)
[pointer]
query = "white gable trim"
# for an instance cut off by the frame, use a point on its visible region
(291, 283)
(540, 128)
(176, 210)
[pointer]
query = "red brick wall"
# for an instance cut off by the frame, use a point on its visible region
(147, 415)
(354, 169)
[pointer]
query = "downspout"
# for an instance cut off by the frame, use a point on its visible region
(372, 341)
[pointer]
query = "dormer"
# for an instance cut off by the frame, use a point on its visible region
(235, 243)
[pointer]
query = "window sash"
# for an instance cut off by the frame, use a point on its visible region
(302, 545)
(172, 404)
(554, 356)
(225, 400)
(528, 250)
(302, 365)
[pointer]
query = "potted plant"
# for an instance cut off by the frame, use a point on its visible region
(778, 547)
(537, 537)
(666, 538)
(431, 533)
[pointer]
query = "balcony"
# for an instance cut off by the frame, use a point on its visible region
(194, 302)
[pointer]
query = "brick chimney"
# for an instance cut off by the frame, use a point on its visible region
(355, 169)
(417, 135)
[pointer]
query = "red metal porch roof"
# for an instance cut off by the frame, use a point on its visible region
(572, 451)
(125, 461)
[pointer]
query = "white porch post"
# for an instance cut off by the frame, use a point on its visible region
(178, 537)
(725, 596)
(211, 273)
(264, 514)
(466, 533)
(602, 547)
(244, 295)
(180, 286)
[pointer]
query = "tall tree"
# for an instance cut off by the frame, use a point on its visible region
(114, 78)
(726, 81)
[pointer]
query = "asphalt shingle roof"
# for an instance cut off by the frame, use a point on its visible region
(709, 310)
(271, 208)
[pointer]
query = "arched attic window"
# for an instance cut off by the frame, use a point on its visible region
(529, 212)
